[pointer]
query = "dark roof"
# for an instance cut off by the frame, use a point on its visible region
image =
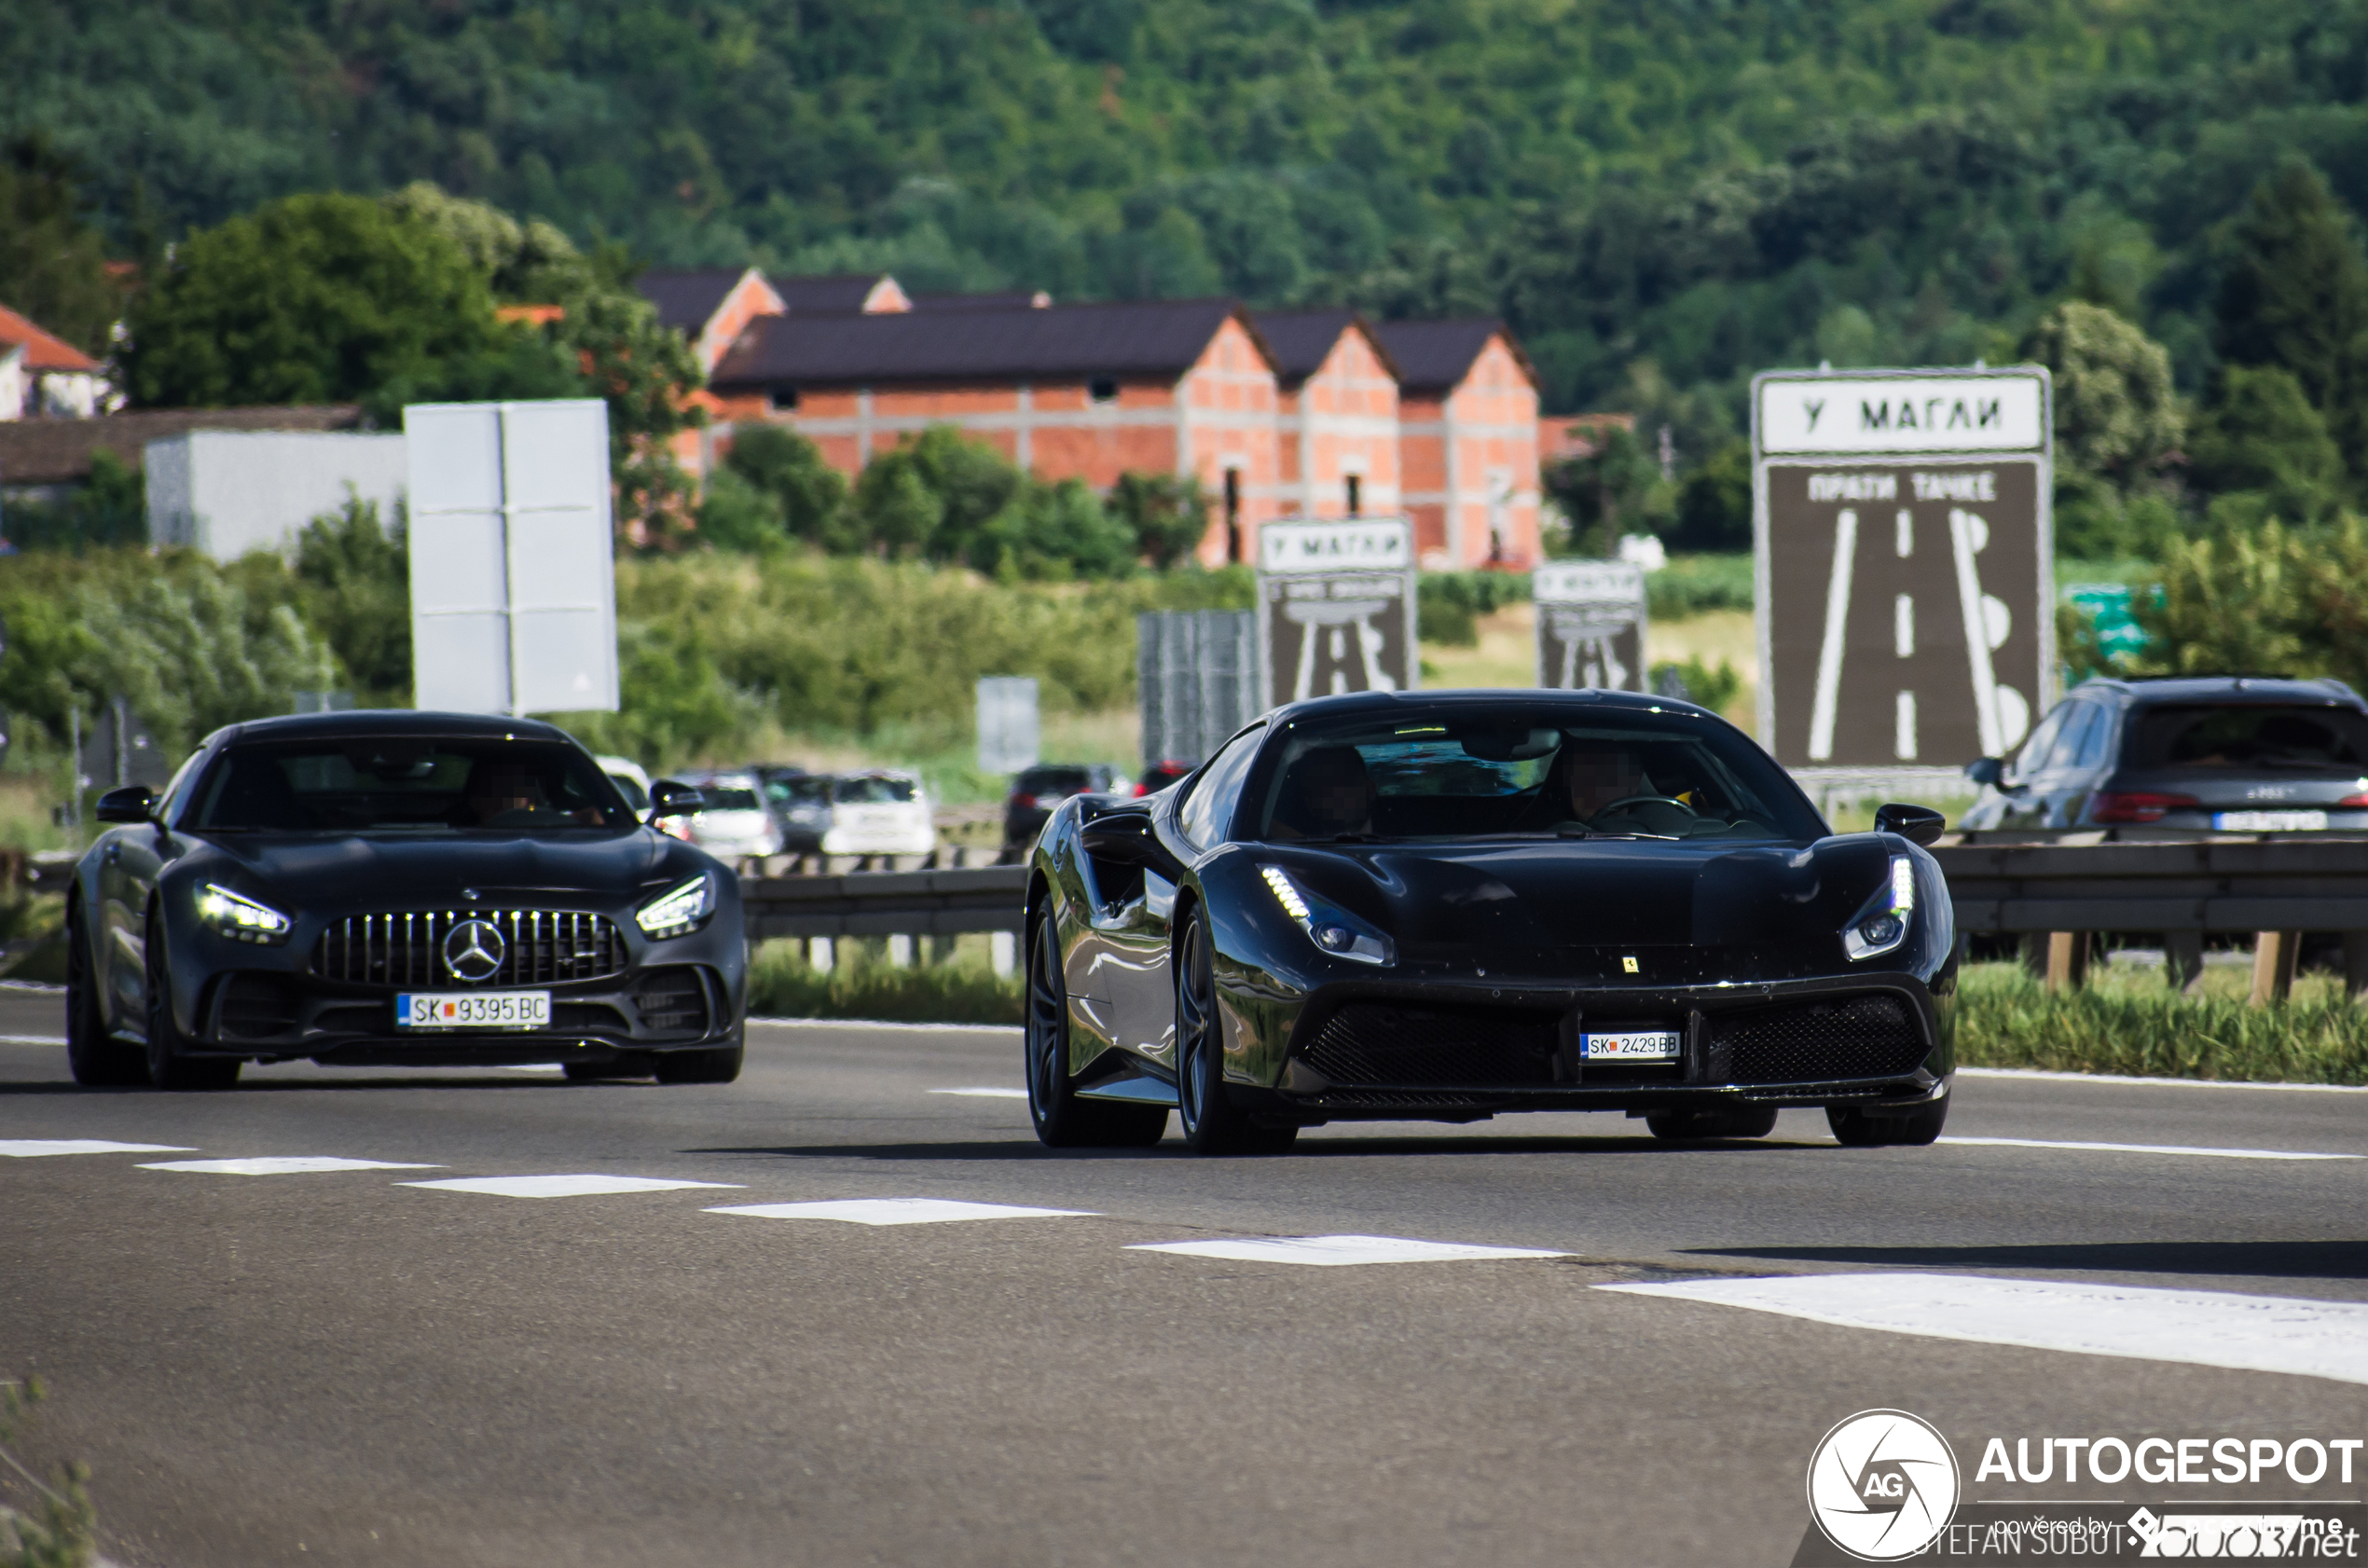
(397, 721)
(2229, 689)
(1015, 299)
(1162, 338)
(685, 299)
(1301, 339)
(1435, 355)
(842, 294)
(58, 452)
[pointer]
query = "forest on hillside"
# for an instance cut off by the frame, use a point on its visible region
(1663, 199)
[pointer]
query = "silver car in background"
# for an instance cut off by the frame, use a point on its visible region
(736, 825)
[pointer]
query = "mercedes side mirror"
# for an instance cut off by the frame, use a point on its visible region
(671, 797)
(1917, 824)
(133, 803)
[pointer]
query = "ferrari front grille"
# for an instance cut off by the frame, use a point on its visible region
(1814, 1042)
(1384, 1044)
(536, 947)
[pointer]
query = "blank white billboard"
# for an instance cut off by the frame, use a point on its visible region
(513, 583)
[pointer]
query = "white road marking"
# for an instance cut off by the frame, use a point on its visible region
(33, 1040)
(2201, 1327)
(2162, 1082)
(1013, 1030)
(558, 1186)
(288, 1164)
(535, 1068)
(986, 1093)
(900, 1211)
(2154, 1149)
(1332, 1252)
(26, 1149)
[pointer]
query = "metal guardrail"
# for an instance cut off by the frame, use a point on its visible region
(886, 904)
(2288, 884)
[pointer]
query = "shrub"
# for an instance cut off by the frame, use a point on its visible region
(782, 985)
(2007, 1019)
(1693, 584)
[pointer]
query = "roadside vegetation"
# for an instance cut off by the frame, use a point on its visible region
(861, 983)
(55, 1526)
(2127, 1021)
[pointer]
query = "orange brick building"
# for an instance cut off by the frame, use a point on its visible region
(1336, 407)
(1468, 435)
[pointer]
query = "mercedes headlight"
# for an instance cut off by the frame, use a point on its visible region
(1881, 924)
(1335, 930)
(678, 910)
(241, 918)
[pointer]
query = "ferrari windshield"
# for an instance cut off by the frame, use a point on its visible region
(1529, 772)
(404, 783)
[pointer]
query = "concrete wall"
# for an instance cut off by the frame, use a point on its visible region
(228, 492)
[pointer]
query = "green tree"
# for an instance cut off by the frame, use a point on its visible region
(1714, 503)
(1055, 531)
(52, 259)
(736, 514)
(2116, 416)
(1605, 493)
(2264, 440)
(812, 495)
(354, 585)
(2293, 295)
(310, 299)
(111, 507)
(897, 511)
(1168, 515)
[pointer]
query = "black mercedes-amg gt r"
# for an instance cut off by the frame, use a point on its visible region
(1445, 905)
(399, 889)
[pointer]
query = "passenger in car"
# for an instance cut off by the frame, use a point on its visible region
(1326, 794)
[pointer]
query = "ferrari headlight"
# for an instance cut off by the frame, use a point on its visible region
(1881, 925)
(679, 909)
(1335, 930)
(239, 918)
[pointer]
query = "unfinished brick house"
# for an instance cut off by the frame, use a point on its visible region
(1468, 438)
(1083, 392)
(1335, 414)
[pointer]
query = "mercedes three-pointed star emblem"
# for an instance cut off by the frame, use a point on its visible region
(472, 950)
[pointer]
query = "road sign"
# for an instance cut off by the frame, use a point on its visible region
(1904, 564)
(1591, 625)
(1336, 608)
(1010, 734)
(1196, 676)
(513, 577)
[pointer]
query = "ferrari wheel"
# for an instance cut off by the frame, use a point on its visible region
(99, 1062)
(1854, 1128)
(1731, 1121)
(1063, 1121)
(719, 1065)
(1213, 1124)
(169, 1064)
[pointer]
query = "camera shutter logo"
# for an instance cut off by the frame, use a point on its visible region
(1883, 1485)
(472, 950)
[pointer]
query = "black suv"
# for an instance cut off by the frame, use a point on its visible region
(2192, 753)
(1040, 789)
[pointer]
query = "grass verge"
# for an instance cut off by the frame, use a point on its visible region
(963, 989)
(2127, 1021)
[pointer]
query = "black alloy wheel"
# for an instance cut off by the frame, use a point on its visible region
(169, 1064)
(1726, 1121)
(717, 1065)
(99, 1061)
(1213, 1124)
(1854, 1128)
(1063, 1119)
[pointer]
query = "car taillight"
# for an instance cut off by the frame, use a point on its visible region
(2355, 803)
(1142, 788)
(2136, 805)
(1023, 802)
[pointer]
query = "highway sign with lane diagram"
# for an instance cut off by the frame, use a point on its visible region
(1905, 551)
(1591, 625)
(1336, 608)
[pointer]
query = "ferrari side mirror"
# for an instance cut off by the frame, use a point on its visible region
(1126, 840)
(1917, 824)
(133, 803)
(671, 797)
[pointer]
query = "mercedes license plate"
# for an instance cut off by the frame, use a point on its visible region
(2269, 821)
(1632, 1045)
(473, 1009)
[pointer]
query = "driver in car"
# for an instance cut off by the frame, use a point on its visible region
(1326, 794)
(1609, 792)
(500, 791)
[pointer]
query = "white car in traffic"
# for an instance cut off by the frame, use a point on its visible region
(881, 812)
(735, 823)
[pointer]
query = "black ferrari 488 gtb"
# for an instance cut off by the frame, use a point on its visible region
(1445, 905)
(394, 888)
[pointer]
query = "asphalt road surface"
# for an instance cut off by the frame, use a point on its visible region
(341, 1365)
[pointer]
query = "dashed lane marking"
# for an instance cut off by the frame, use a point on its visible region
(286, 1165)
(33, 1040)
(900, 1211)
(2204, 1329)
(27, 1148)
(2152, 1149)
(986, 1093)
(558, 1186)
(1337, 1251)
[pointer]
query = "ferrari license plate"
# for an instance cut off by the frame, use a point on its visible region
(473, 1009)
(1631, 1045)
(2270, 821)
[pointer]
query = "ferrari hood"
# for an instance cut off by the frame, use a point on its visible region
(1588, 893)
(371, 871)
